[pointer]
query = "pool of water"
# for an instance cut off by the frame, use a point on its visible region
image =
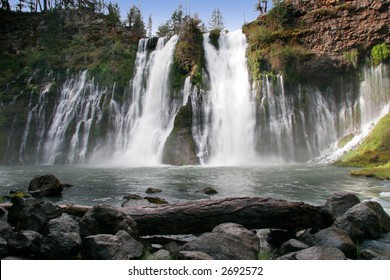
(93, 185)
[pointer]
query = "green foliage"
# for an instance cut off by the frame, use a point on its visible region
(344, 141)
(216, 20)
(352, 57)
(135, 21)
(288, 60)
(280, 14)
(214, 37)
(374, 151)
(380, 53)
(54, 29)
(114, 14)
(189, 54)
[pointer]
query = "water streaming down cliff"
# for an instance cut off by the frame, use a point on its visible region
(144, 126)
(233, 122)
(226, 136)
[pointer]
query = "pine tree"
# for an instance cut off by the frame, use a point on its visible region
(136, 23)
(216, 20)
(150, 27)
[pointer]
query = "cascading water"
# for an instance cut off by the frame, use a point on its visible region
(149, 119)
(233, 123)
(231, 131)
(68, 135)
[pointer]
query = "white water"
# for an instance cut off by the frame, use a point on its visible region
(233, 123)
(149, 120)
(231, 136)
(78, 105)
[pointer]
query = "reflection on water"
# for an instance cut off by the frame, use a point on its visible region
(95, 185)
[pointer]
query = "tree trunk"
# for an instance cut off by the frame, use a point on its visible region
(203, 216)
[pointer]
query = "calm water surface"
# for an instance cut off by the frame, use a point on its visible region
(93, 185)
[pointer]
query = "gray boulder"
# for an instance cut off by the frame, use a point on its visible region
(292, 245)
(340, 202)
(3, 248)
(221, 247)
(121, 246)
(46, 185)
(239, 233)
(334, 238)
(315, 253)
(62, 239)
(103, 219)
(32, 214)
(5, 230)
(366, 220)
(375, 249)
(24, 243)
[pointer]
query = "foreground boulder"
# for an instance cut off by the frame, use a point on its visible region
(46, 185)
(103, 219)
(61, 239)
(375, 249)
(121, 246)
(226, 242)
(315, 253)
(333, 237)
(32, 214)
(24, 243)
(366, 220)
(340, 202)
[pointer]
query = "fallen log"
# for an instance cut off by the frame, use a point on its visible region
(203, 216)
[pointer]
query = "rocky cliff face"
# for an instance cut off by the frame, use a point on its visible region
(337, 27)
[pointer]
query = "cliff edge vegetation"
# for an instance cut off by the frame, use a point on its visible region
(373, 154)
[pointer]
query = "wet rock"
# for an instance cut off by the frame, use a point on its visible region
(103, 219)
(121, 246)
(240, 233)
(375, 249)
(133, 197)
(156, 200)
(193, 255)
(221, 247)
(315, 253)
(292, 245)
(61, 239)
(6, 230)
(340, 202)
(172, 247)
(335, 238)
(46, 185)
(208, 191)
(32, 214)
(161, 255)
(3, 247)
(24, 243)
(366, 220)
(153, 190)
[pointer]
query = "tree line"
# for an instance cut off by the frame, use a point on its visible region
(46, 5)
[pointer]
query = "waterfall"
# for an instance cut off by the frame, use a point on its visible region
(232, 121)
(149, 119)
(68, 135)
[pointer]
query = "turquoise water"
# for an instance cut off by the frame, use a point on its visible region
(93, 185)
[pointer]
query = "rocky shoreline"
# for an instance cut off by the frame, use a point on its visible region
(228, 229)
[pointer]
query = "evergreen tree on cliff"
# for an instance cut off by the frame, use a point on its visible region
(136, 23)
(216, 20)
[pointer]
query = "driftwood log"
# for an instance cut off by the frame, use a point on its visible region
(203, 216)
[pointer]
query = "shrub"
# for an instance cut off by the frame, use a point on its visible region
(380, 53)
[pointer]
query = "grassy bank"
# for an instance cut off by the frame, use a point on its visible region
(373, 154)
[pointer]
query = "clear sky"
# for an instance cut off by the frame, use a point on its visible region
(234, 12)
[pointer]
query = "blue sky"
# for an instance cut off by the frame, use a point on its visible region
(233, 11)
